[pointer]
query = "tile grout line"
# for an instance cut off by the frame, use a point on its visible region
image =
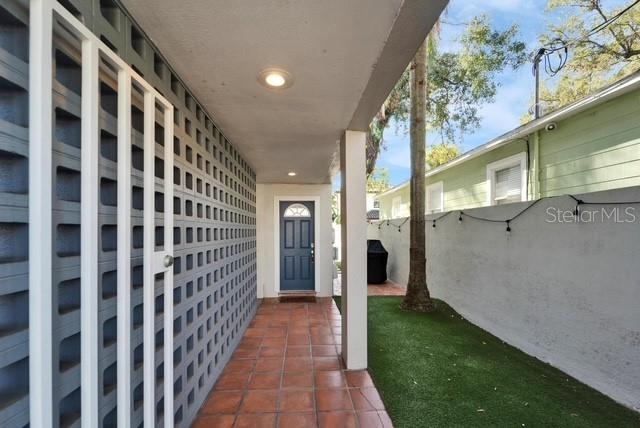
(276, 327)
(246, 387)
(313, 374)
(343, 371)
(284, 357)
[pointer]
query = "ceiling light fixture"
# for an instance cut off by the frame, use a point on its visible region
(275, 78)
(291, 174)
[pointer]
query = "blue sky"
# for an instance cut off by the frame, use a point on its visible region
(515, 93)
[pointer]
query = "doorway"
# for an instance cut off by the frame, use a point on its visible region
(297, 246)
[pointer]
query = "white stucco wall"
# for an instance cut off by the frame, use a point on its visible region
(266, 239)
(566, 293)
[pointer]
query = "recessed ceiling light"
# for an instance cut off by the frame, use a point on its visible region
(275, 78)
(291, 174)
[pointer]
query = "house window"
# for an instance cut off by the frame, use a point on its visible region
(399, 209)
(507, 180)
(435, 198)
(376, 204)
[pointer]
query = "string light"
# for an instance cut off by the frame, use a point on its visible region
(441, 217)
(576, 211)
(508, 221)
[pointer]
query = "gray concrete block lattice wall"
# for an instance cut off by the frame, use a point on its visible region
(565, 292)
(214, 234)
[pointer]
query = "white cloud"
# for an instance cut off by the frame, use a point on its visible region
(466, 9)
(511, 103)
(508, 5)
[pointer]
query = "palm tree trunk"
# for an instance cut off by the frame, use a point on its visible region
(417, 297)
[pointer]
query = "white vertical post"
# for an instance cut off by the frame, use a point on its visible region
(90, 187)
(168, 275)
(354, 253)
(148, 291)
(124, 249)
(40, 221)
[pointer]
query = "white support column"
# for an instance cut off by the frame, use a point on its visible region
(148, 288)
(124, 249)
(40, 221)
(354, 253)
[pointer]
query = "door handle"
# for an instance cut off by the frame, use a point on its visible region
(313, 254)
(168, 261)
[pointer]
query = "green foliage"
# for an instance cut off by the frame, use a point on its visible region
(396, 105)
(378, 180)
(335, 207)
(458, 83)
(595, 60)
(440, 154)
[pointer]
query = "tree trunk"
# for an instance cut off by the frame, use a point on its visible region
(417, 297)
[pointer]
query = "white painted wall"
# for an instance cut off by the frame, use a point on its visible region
(566, 293)
(337, 229)
(266, 235)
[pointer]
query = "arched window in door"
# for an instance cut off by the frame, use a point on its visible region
(297, 210)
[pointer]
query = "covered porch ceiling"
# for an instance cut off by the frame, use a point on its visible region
(344, 57)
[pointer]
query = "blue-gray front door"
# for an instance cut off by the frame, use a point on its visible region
(297, 252)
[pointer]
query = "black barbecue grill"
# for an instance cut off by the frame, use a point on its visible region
(376, 262)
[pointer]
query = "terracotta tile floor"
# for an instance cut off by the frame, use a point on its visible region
(287, 372)
(388, 288)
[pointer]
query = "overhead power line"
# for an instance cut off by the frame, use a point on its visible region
(553, 57)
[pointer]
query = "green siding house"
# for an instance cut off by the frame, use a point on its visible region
(590, 145)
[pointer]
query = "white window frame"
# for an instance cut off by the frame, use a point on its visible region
(396, 206)
(439, 186)
(301, 211)
(511, 161)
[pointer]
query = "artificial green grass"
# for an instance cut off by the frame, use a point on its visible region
(439, 370)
